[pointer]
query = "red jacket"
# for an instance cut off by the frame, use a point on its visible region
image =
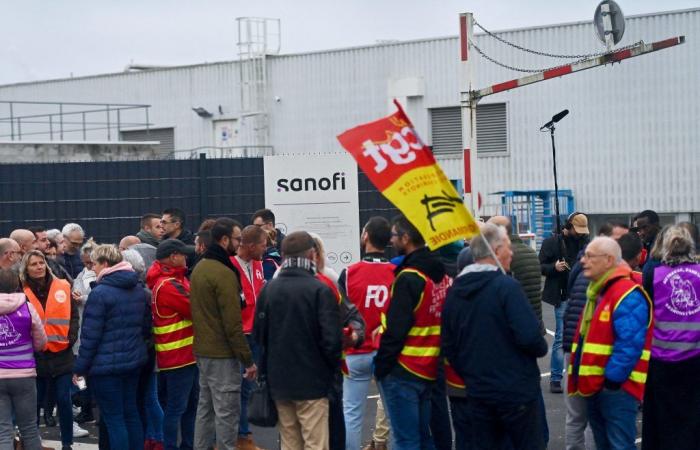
(172, 316)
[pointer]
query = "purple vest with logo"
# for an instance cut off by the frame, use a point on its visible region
(676, 312)
(16, 348)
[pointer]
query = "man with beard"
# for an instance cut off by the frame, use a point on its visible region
(557, 256)
(407, 360)
(220, 345)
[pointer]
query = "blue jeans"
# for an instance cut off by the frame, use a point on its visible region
(355, 388)
(612, 416)
(116, 398)
(557, 358)
(182, 393)
(61, 386)
(407, 402)
(246, 389)
(152, 409)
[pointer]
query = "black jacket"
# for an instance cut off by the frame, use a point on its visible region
(553, 249)
(406, 292)
(297, 324)
(575, 304)
(492, 338)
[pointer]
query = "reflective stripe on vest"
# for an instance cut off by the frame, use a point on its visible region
(421, 351)
(592, 357)
(56, 316)
(173, 334)
(15, 339)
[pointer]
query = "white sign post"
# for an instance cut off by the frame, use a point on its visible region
(317, 193)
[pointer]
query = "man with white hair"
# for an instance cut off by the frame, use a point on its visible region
(610, 351)
(75, 236)
(491, 338)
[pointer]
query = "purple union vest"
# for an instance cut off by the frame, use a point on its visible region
(676, 312)
(16, 348)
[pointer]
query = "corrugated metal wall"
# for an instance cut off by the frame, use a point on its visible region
(630, 142)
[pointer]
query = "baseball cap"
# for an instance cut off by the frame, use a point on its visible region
(580, 223)
(170, 246)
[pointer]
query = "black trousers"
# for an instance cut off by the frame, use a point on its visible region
(494, 422)
(671, 412)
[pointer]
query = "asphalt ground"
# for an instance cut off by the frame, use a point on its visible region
(268, 438)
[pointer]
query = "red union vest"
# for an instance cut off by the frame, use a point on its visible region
(598, 343)
(420, 354)
(455, 384)
(368, 286)
(251, 290)
(173, 335)
(56, 316)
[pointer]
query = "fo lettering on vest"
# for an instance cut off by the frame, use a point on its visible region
(16, 347)
(676, 312)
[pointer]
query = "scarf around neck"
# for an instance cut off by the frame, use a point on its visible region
(299, 262)
(592, 292)
(217, 253)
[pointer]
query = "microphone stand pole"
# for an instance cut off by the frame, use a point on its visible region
(556, 182)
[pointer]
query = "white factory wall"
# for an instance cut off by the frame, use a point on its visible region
(629, 143)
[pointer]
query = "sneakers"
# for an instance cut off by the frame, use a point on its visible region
(375, 446)
(555, 387)
(79, 432)
(246, 443)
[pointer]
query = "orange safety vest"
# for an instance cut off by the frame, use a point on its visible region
(56, 317)
(598, 342)
(421, 351)
(172, 334)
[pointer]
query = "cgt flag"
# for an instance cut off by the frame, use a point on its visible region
(392, 155)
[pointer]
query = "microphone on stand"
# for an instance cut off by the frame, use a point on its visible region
(556, 118)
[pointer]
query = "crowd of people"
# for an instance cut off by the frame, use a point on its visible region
(168, 332)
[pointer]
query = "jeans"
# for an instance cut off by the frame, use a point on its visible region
(116, 398)
(219, 407)
(182, 393)
(355, 388)
(496, 424)
(247, 388)
(557, 358)
(152, 410)
(612, 415)
(408, 404)
(18, 395)
(62, 387)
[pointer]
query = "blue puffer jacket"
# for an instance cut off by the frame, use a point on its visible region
(116, 324)
(630, 323)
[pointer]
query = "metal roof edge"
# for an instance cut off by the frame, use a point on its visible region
(342, 49)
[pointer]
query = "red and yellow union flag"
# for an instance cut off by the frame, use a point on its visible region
(397, 162)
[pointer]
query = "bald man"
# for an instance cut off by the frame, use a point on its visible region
(610, 352)
(147, 251)
(24, 238)
(9, 253)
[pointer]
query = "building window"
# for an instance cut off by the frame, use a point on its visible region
(491, 129)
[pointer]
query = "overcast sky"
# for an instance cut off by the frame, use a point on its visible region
(59, 38)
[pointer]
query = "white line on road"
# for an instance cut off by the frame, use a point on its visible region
(638, 440)
(76, 445)
(550, 332)
(546, 374)
(373, 396)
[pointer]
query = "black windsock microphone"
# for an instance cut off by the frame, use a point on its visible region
(556, 118)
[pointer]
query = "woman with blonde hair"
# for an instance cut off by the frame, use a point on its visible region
(116, 324)
(58, 310)
(672, 400)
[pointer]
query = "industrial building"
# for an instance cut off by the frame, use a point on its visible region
(630, 141)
